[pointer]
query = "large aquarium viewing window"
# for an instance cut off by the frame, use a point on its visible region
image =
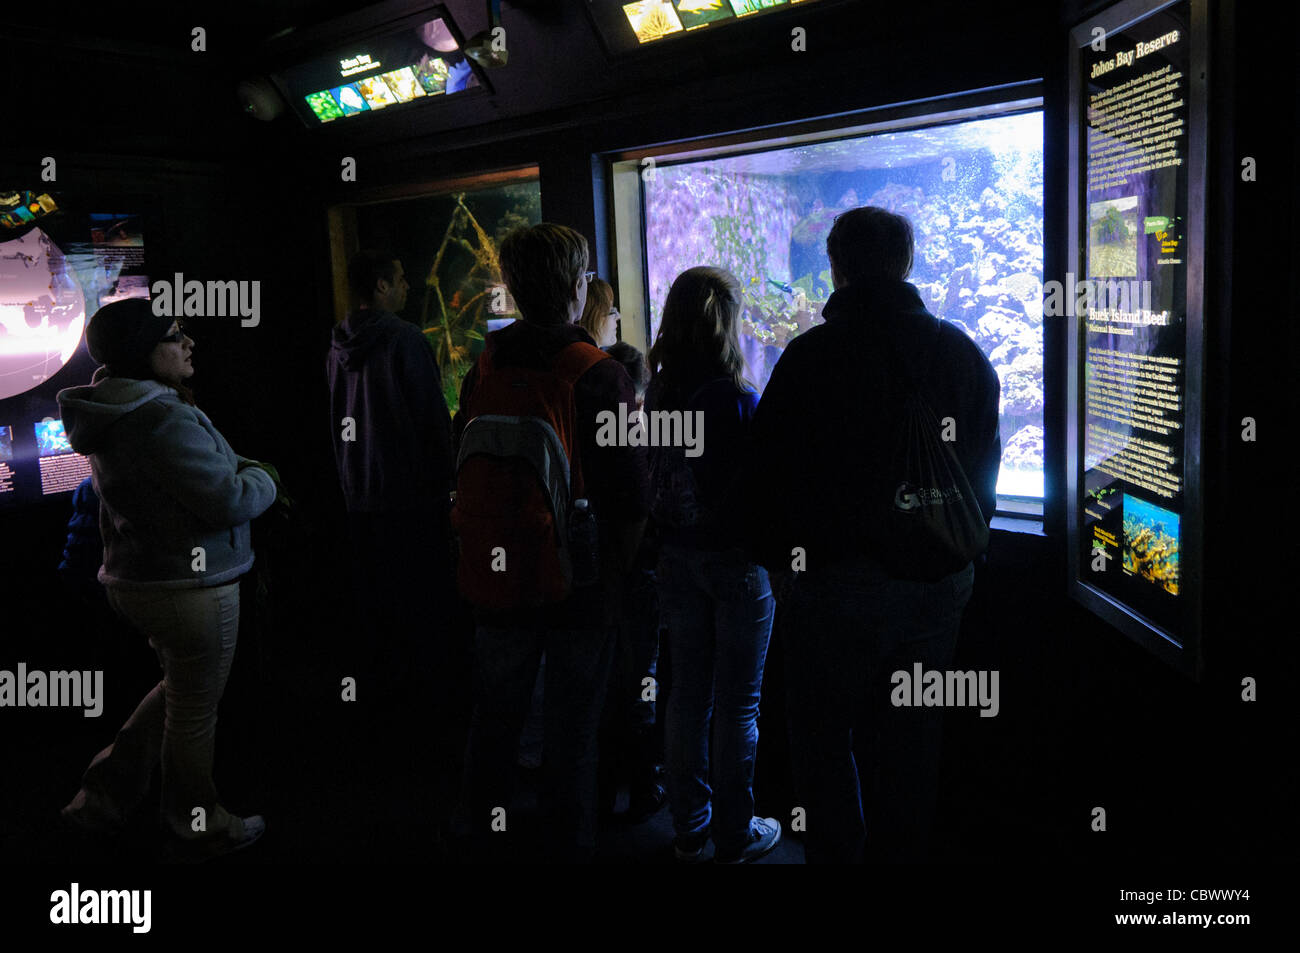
(447, 242)
(973, 191)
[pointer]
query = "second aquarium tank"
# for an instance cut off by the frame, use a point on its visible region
(973, 191)
(448, 247)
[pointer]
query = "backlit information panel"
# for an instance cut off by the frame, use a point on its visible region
(1134, 302)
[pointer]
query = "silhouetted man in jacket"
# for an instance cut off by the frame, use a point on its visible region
(823, 435)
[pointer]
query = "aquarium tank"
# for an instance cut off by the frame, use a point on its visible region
(973, 191)
(448, 248)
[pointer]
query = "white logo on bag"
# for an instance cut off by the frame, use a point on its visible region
(910, 497)
(905, 498)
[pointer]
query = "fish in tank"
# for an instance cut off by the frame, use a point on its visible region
(973, 191)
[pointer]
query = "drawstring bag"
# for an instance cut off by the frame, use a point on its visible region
(931, 520)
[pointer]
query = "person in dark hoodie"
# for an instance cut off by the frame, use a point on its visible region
(394, 462)
(392, 448)
(822, 437)
(391, 437)
(175, 506)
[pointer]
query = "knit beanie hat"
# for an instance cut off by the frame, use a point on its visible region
(123, 334)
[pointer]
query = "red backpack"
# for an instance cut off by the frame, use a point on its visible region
(519, 506)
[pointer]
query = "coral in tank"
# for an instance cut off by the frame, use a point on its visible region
(973, 192)
(456, 325)
(460, 320)
(738, 222)
(450, 241)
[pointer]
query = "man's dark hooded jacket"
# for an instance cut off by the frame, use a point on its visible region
(824, 428)
(383, 374)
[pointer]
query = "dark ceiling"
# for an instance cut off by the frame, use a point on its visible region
(114, 77)
(158, 27)
(119, 78)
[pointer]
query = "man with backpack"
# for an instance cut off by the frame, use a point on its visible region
(548, 523)
(879, 429)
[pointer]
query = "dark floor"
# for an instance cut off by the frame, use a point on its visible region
(1185, 772)
(286, 749)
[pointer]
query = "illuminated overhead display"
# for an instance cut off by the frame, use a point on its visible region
(20, 209)
(421, 59)
(628, 25)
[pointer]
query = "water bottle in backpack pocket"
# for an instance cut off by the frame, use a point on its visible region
(584, 544)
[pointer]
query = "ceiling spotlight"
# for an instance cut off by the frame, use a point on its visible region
(488, 48)
(260, 99)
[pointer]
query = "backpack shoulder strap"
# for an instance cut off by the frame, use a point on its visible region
(570, 364)
(576, 359)
(927, 366)
(486, 355)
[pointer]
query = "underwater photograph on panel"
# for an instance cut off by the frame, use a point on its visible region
(695, 13)
(376, 92)
(743, 7)
(432, 73)
(403, 83)
(973, 192)
(324, 106)
(51, 438)
(652, 19)
(1151, 543)
(349, 99)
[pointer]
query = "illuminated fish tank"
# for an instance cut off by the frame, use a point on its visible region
(973, 191)
(447, 244)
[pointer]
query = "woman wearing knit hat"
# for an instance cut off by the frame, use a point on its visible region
(176, 502)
